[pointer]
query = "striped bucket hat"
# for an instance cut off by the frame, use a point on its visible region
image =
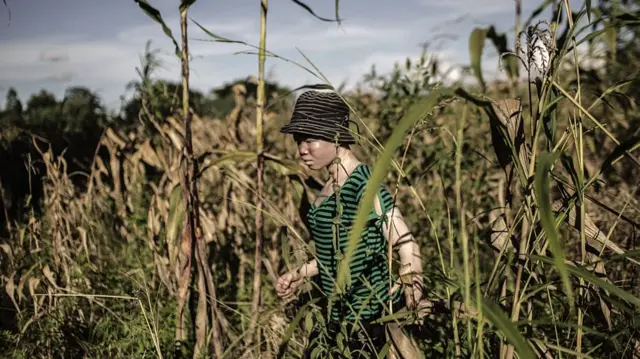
(321, 114)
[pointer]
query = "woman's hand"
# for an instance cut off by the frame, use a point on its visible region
(412, 288)
(288, 283)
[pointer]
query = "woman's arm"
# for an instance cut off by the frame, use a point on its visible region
(397, 232)
(309, 269)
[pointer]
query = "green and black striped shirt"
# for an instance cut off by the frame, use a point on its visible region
(368, 294)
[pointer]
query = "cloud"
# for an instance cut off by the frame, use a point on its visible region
(476, 8)
(63, 77)
(53, 57)
(107, 64)
(333, 38)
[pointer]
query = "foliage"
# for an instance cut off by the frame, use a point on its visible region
(525, 206)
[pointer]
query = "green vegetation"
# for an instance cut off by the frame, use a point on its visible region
(523, 191)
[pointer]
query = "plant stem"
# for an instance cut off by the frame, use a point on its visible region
(257, 281)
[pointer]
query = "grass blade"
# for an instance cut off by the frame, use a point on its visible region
(154, 14)
(476, 45)
(543, 199)
(414, 114)
(310, 11)
(495, 316)
(593, 279)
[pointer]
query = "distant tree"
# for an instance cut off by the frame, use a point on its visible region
(12, 114)
(12, 103)
(42, 114)
(221, 100)
(82, 111)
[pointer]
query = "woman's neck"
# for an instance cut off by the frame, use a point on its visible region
(347, 162)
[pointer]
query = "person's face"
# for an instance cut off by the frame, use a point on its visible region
(315, 153)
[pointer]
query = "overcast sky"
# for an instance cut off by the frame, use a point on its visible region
(54, 44)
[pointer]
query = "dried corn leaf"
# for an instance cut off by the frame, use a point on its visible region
(10, 288)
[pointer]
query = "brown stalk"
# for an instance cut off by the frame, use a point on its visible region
(514, 80)
(257, 281)
(4, 206)
(192, 239)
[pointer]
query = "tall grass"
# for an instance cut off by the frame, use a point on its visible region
(260, 103)
(506, 186)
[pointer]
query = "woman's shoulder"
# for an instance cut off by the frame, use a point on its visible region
(363, 170)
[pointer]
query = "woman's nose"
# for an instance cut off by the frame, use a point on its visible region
(302, 148)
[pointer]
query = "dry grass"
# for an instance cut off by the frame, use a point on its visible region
(106, 263)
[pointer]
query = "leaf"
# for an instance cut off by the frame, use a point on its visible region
(10, 288)
(543, 199)
(415, 113)
(592, 35)
(537, 12)
(154, 14)
(512, 65)
(627, 17)
(230, 158)
(49, 275)
(283, 166)
(593, 279)
(338, 12)
(496, 316)
(611, 39)
(9, 10)
(293, 325)
(618, 153)
(308, 322)
(499, 40)
(176, 217)
(551, 105)
(306, 7)
(588, 5)
(476, 45)
(551, 323)
(219, 38)
(7, 249)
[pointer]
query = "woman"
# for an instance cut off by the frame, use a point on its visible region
(319, 125)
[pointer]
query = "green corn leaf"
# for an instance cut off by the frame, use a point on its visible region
(217, 37)
(415, 113)
(537, 12)
(310, 11)
(629, 18)
(543, 199)
(495, 315)
(591, 36)
(593, 279)
(476, 46)
(611, 38)
(294, 324)
(308, 322)
(154, 14)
